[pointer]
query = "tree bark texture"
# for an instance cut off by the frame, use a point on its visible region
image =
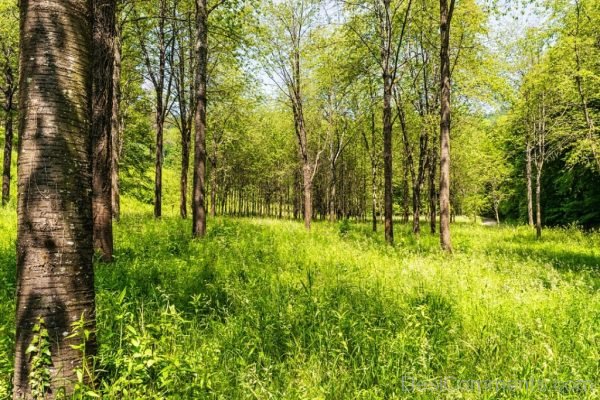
(55, 242)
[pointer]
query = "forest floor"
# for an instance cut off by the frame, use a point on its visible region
(261, 309)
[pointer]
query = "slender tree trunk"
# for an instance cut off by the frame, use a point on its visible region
(416, 209)
(55, 284)
(538, 204)
(198, 206)
(116, 127)
(185, 122)
(307, 181)
(332, 195)
(8, 139)
(432, 191)
(445, 21)
(529, 185)
(159, 158)
(374, 197)
(213, 184)
(387, 157)
(497, 212)
(102, 103)
(185, 167)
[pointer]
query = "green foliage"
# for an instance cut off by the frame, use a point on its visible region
(41, 361)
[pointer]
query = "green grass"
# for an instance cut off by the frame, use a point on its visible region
(262, 309)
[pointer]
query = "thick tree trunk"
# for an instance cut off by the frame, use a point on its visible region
(529, 184)
(54, 241)
(102, 103)
(8, 141)
(445, 21)
(198, 201)
(116, 128)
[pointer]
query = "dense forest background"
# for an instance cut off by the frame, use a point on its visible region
(525, 81)
(295, 137)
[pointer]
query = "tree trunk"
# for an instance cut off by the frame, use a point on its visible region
(185, 166)
(529, 185)
(387, 157)
(538, 204)
(213, 185)
(8, 139)
(55, 240)
(198, 203)
(416, 209)
(332, 195)
(445, 21)
(497, 212)
(307, 180)
(116, 127)
(159, 158)
(432, 191)
(374, 197)
(102, 103)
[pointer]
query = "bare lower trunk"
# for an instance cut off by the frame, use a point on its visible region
(374, 197)
(445, 20)
(55, 284)
(538, 205)
(8, 140)
(529, 185)
(307, 180)
(432, 192)
(185, 167)
(497, 211)
(416, 209)
(102, 103)
(198, 203)
(116, 129)
(158, 161)
(213, 186)
(332, 195)
(387, 158)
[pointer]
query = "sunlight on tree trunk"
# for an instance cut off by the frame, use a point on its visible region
(55, 242)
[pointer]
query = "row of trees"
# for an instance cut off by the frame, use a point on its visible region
(551, 129)
(292, 109)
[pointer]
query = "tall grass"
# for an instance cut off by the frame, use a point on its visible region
(262, 309)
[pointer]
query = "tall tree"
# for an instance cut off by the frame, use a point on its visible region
(9, 45)
(183, 70)
(390, 19)
(102, 108)
(446, 13)
(116, 128)
(157, 43)
(293, 21)
(201, 55)
(55, 284)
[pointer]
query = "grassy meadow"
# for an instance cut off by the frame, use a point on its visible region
(261, 309)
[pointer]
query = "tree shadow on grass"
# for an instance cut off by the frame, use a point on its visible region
(560, 259)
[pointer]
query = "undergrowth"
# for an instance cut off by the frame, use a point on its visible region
(260, 309)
